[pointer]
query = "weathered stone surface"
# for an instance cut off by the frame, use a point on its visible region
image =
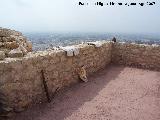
(1, 44)
(7, 32)
(2, 55)
(23, 75)
(138, 55)
(4, 32)
(23, 49)
(1, 40)
(11, 45)
(15, 53)
(60, 71)
(29, 46)
(11, 39)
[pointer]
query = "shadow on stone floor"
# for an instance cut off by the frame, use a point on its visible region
(71, 99)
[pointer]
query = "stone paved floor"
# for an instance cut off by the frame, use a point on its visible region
(116, 93)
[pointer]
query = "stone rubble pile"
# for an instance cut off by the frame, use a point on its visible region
(13, 44)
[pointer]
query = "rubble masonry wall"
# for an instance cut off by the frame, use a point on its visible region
(139, 55)
(21, 78)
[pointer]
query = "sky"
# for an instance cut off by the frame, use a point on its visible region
(68, 16)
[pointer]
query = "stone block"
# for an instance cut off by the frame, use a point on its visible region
(23, 49)
(2, 55)
(1, 44)
(11, 45)
(29, 46)
(4, 32)
(22, 39)
(1, 39)
(15, 53)
(63, 58)
(55, 60)
(16, 33)
(7, 39)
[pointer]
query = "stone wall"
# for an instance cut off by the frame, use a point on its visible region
(137, 55)
(21, 78)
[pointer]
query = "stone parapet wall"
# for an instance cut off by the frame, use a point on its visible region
(137, 55)
(21, 78)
